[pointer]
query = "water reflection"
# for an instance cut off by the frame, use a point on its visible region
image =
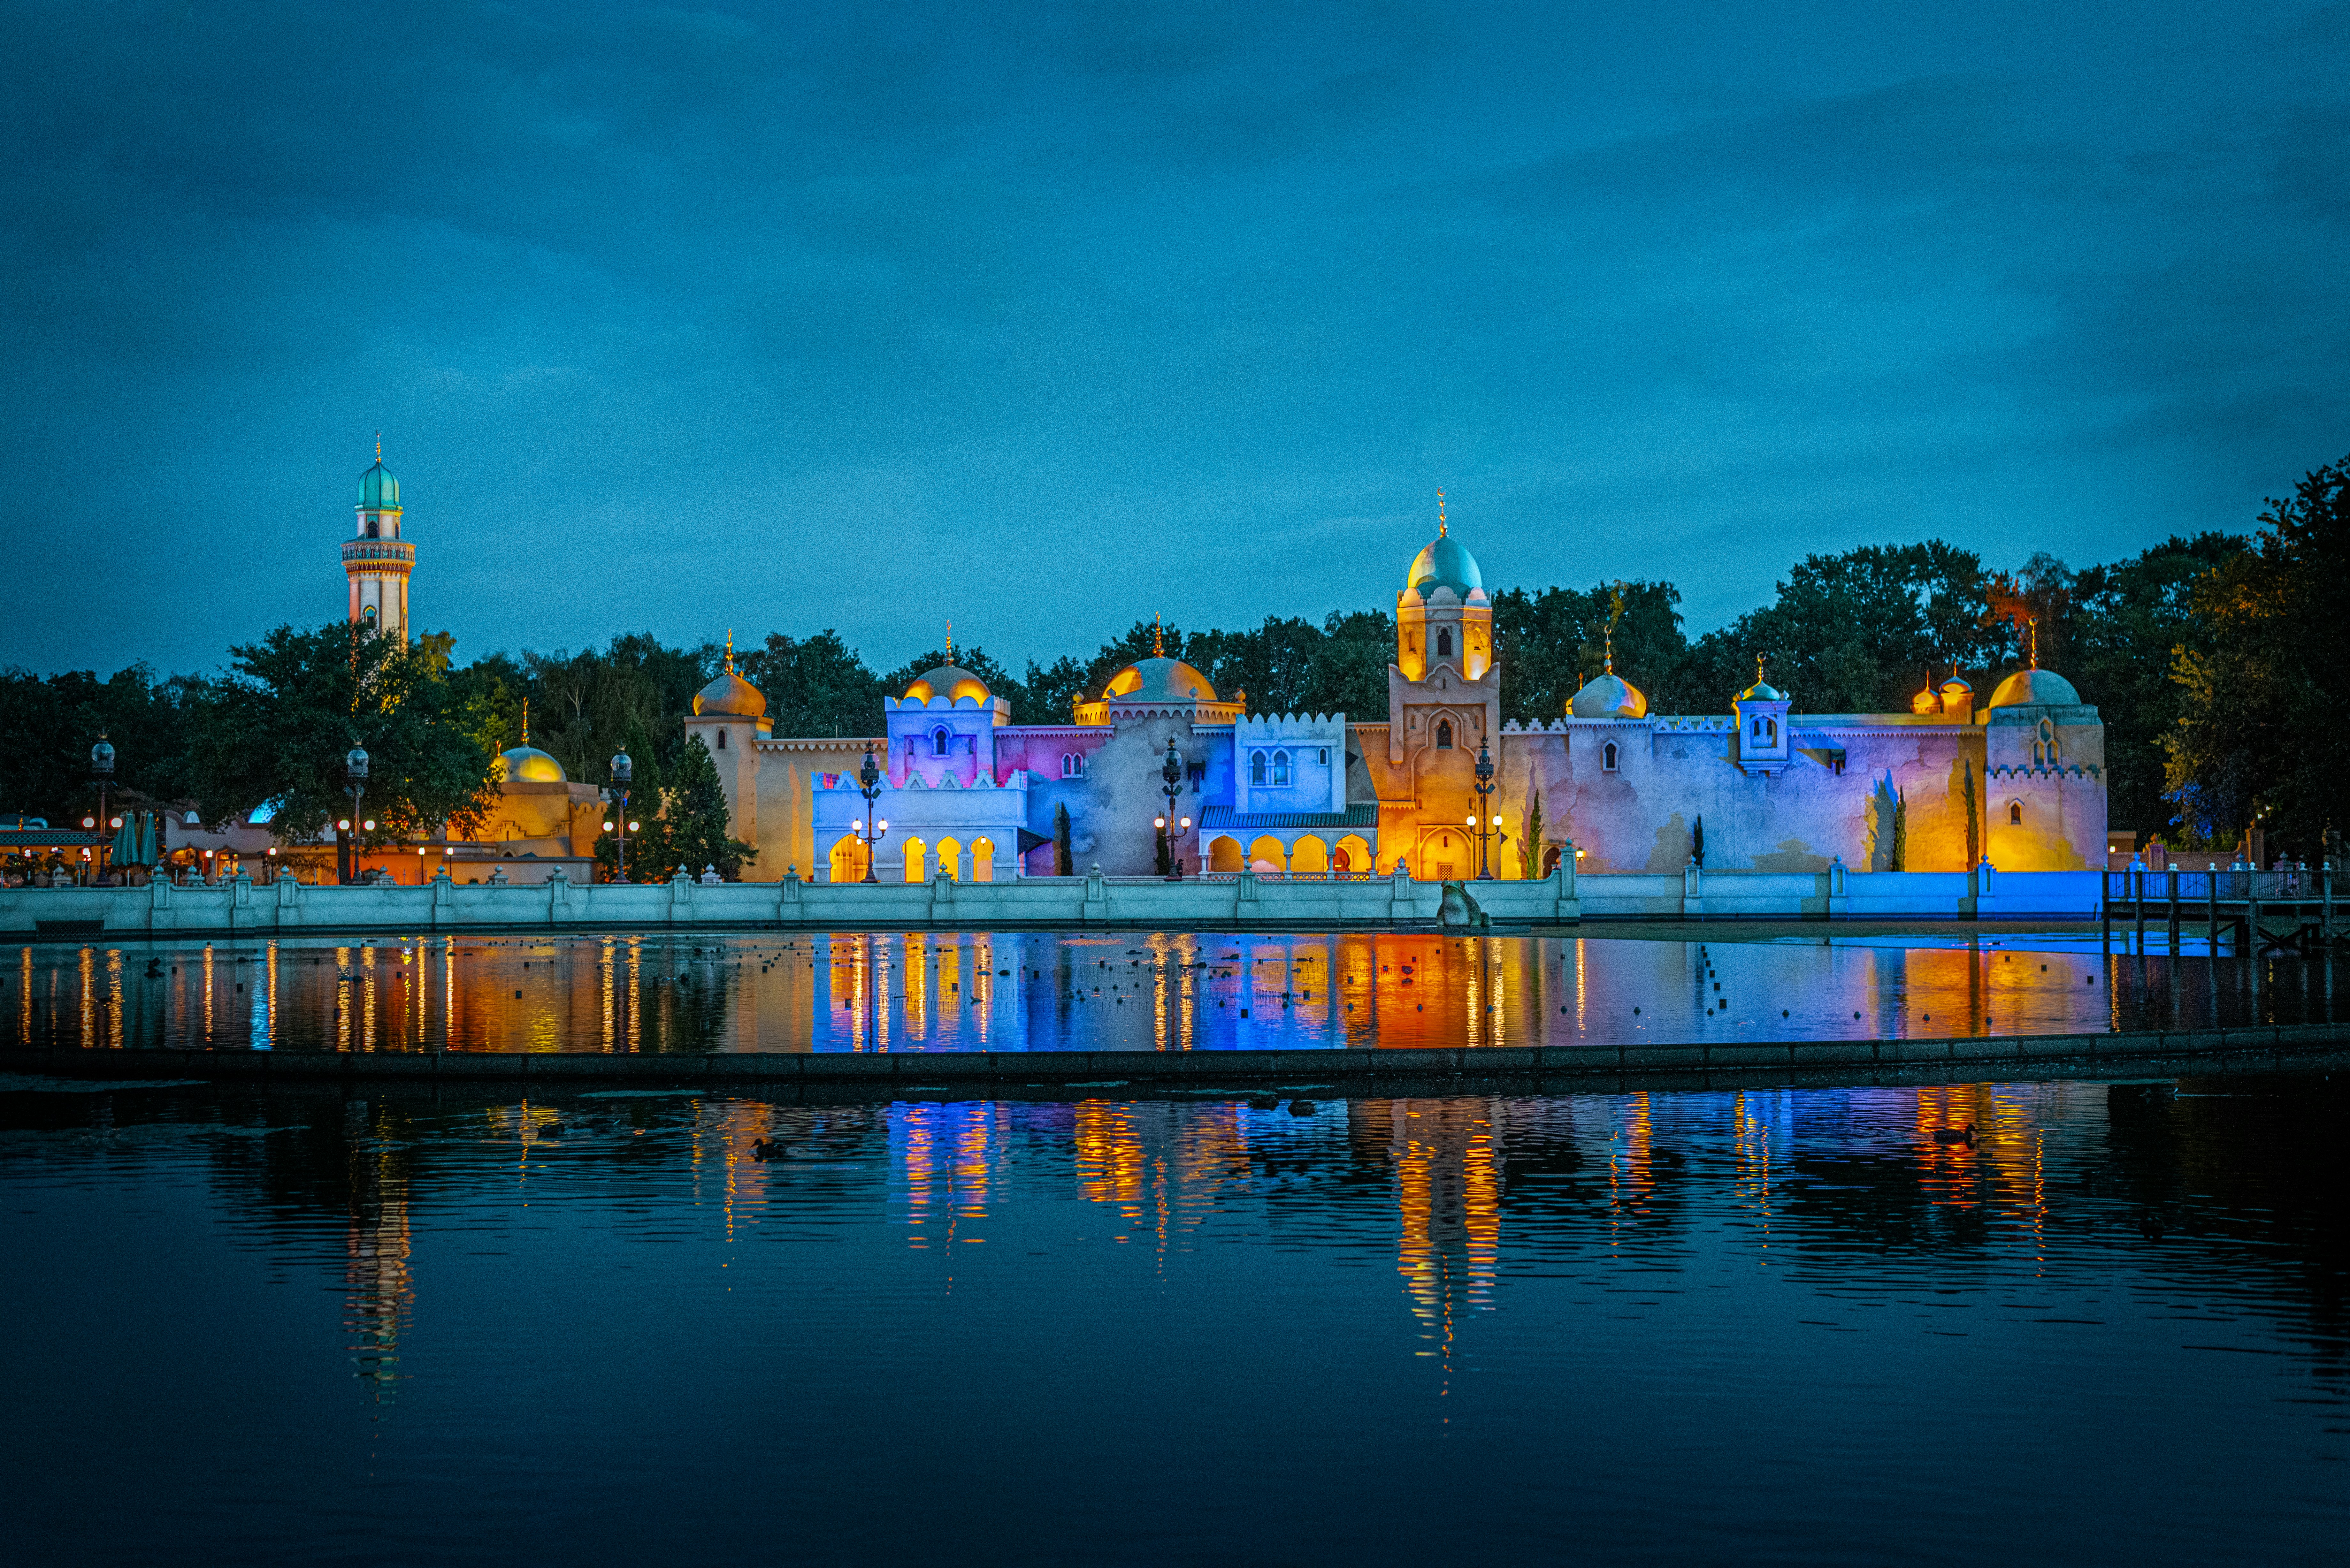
(1576, 1286)
(1163, 992)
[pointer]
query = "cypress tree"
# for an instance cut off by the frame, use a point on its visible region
(1062, 866)
(1530, 840)
(694, 821)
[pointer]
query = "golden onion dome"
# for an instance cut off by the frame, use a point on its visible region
(528, 764)
(729, 696)
(951, 681)
(1159, 679)
(2035, 689)
(1609, 696)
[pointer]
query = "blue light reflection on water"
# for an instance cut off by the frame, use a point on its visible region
(1120, 990)
(1692, 1326)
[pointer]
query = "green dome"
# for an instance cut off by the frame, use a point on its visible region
(1445, 563)
(378, 491)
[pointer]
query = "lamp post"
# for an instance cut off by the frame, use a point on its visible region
(869, 785)
(623, 771)
(1170, 775)
(1484, 795)
(101, 773)
(355, 770)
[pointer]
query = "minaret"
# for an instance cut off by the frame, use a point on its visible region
(377, 561)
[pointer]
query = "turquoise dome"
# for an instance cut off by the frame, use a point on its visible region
(2035, 689)
(378, 491)
(1445, 563)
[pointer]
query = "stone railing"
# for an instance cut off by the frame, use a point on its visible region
(239, 906)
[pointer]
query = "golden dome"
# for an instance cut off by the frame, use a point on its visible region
(2035, 689)
(1609, 696)
(1159, 679)
(528, 764)
(951, 681)
(729, 696)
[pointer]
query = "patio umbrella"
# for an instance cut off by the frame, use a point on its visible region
(147, 855)
(125, 848)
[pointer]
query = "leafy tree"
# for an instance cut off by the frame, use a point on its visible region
(692, 829)
(2124, 626)
(1856, 632)
(48, 724)
(816, 685)
(2261, 730)
(277, 726)
(1551, 641)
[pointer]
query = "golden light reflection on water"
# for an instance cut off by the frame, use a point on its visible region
(1143, 992)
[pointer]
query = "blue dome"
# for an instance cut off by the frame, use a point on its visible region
(378, 491)
(1445, 563)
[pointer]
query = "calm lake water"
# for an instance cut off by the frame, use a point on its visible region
(1670, 1328)
(1117, 991)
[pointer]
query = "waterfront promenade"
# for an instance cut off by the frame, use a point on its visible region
(241, 907)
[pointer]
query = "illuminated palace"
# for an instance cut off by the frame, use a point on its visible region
(969, 793)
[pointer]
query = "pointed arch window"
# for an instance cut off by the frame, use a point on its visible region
(1444, 735)
(1607, 758)
(2015, 814)
(939, 742)
(1256, 767)
(1280, 768)
(1444, 642)
(722, 737)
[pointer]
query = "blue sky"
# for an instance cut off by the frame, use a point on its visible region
(1048, 319)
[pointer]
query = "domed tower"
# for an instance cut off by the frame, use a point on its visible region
(377, 561)
(1444, 702)
(730, 717)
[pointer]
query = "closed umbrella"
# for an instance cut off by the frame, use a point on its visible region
(125, 848)
(147, 855)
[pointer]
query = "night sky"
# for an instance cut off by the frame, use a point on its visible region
(1048, 319)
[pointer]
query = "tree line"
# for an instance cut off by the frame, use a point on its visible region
(2211, 659)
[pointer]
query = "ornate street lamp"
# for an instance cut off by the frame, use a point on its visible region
(355, 770)
(623, 771)
(1484, 794)
(101, 773)
(869, 785)
(1171, 774)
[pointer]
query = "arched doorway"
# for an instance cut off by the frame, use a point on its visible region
(982, 860)
(1352, 857)
(1266, 855)
(1224, 855)
(950, 853)
(1550, 858)
(1308, 856)
(848, 859)
(917, 856)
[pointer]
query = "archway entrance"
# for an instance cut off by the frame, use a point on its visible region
(1444, 854)
(1308, 856)
(1352, 857)
(950, 853)
(1266, 856)
(848, 860)
(982, 860)
(1224, 855)
(917, 858)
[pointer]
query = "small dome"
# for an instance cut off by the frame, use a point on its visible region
(1446, 563)
(729, 696)
(2035, 689)
(1761, 692)
(528, 764)
(1925, 702)
(378, 491)
(1159, 679)
(1957, 685)
(1609, 696)
(951, 681)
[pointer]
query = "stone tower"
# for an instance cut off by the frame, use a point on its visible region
(377, 561)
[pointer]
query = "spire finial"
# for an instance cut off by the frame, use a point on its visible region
(379, 446)
(1442, 527)
(730, 650)
(1758, 669)
(950, 642)
(2032, 632)
(1157, 640)
(526, 720)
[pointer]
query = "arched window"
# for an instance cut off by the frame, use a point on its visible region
(2044, 749)
(938, 742)
(2015, 814)
(1070, 764)
(1773, 738)
(1608, 757)
(1322, 757)
(1444, 735)
(1443, 642)
(1281, 767)
(722, 740)
(375, 530)
(1256, 767)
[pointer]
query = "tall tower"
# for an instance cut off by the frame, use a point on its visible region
(377, 561)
